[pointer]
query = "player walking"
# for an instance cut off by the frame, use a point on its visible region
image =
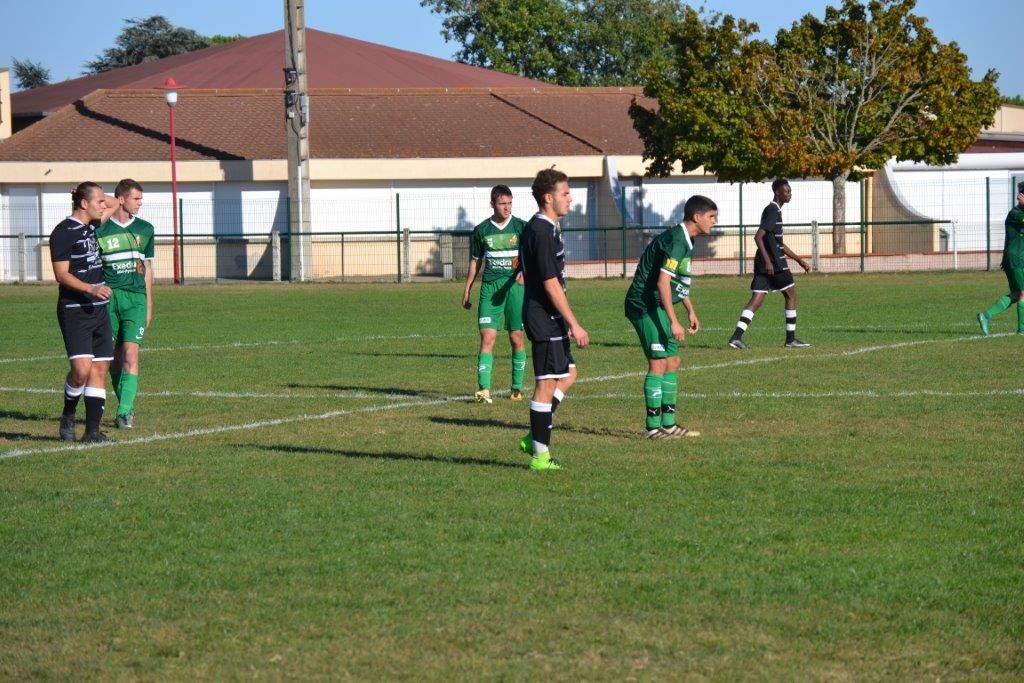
(495, 243)
(771, 270)
(82, 301)
(662, 279)
(126, 247)
(548, 318)
(1013, 267)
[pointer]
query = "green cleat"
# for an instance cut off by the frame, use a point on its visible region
(526, 444)
(543, 461)
(983, 321)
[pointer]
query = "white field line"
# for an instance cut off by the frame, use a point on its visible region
(393, 406)
(868, 393)
(220, 394)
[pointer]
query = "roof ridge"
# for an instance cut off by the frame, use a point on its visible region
(564, 131)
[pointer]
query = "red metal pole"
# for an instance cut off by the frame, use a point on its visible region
(174, 201)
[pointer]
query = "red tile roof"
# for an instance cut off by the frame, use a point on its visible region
(334, 62)
(131, 125)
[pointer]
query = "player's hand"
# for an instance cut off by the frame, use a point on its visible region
(1020, 198)
(580, 335)
(677, 331)
(465, 301)
(149, 318)
(769, 269)
(805, 265)
(519, 278)
(100, 292)
(694, 324)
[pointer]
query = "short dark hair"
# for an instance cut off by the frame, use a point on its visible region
(82, 192)
(545, 183)
(778, 184)
(1020, 187)
(500, 191)
(698, 203)
(125, 187)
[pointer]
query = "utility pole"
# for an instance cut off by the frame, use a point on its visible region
(296, 111)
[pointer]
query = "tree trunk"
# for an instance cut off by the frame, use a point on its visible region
(839, 213)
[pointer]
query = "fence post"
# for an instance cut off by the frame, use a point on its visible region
(181, 242)
(815, 247)
(343, 257)
(743, 237)
(407, 256)
(988, 226)
(22, 257)
(398, 238)
(622, 210)
(275, 255)
(605, 252)
(952, 236)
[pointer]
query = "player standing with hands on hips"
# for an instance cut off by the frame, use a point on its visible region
(548, 318)
(82, 308)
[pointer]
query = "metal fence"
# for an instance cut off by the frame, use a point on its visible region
(938, 225)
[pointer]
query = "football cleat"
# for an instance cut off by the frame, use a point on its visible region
(515, 395)
(542, 462)
(67, 428)
(797, 344)
(483, 396)
(96, 436)
(983, 322)
(675, 431)
(125, 421)
(738, 344)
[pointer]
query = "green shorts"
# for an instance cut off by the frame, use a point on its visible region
(127, 316)
(654, 330)
(1015, 278)
(501, 305)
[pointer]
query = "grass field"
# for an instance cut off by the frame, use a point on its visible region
(309, 493)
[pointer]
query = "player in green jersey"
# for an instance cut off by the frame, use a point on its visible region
(662, 279)
(1013, 266)
(495, 242)
(127, 249)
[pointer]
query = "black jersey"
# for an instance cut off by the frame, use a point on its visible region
(75, 242)
(542, 257)
(771, 223)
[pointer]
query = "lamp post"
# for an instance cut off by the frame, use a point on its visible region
(171, 95)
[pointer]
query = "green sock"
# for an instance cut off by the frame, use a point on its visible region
(129, 385)
(485, 363)
(668, 399)
(1020, 317)
(115, 380)
(518, 368)
(652, 397)
(999, 306)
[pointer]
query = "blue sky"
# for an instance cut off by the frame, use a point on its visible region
(45, 30)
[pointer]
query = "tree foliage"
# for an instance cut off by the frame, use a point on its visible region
(1016, 100)
(144, 40)
(584, 43)
(220, 38)
(832, 97)
(29, 74)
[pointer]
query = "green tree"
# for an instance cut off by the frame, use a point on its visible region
(1014, 99)
(220, 38)
(584, 43)
(29, 74)
(833, 97)
(144, 40)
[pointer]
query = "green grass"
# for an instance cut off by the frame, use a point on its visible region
(847, 529)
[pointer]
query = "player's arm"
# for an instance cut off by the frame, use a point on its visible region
(692, 314)
(62, 273)
(474, 268)
(149, 292)
(803, 262)
(769, 269)
(665, 294)
(561, 303)
(110, 206)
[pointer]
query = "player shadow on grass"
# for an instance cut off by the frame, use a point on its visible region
(503, 424)
(18, 415)
(24, 436)
(404, 354)
(387, 391)
(380, 456)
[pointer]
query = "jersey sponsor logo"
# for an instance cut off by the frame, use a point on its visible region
(484, 320)
(671, 263)
(657, 347)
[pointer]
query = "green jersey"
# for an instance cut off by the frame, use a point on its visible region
(123, 248)
(1013, 251)
(669, 252)
(499, 246)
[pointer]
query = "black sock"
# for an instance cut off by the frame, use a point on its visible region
(540, 424)
(745, 317)
(95, 401)
(71, 396)
(790, 324)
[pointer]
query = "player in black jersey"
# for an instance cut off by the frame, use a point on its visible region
(547, 316)
(771, 270)
(82, 308)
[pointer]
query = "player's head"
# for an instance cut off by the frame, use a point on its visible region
(129, 193)
(1020, 193)
(782, 191)
(702, 212)
(87, 197)
(501, 201)
(551, 190)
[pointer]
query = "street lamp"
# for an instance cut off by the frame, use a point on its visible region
(171, 95)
